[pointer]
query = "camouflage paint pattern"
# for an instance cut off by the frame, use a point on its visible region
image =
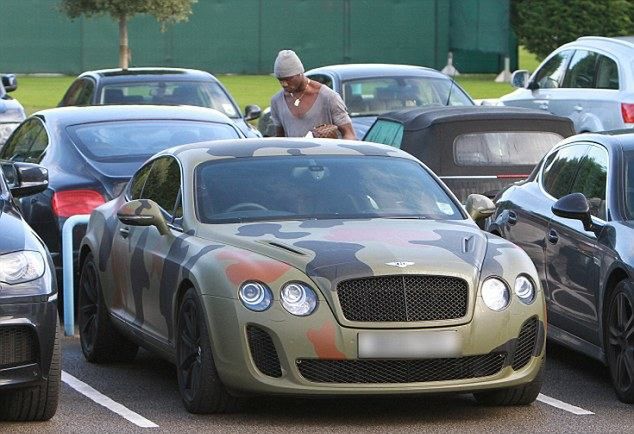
(216, 259)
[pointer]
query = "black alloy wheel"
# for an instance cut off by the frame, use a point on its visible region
(200, 386)
(100, 340)
(619, 341)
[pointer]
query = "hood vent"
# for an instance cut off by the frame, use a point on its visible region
(285, 247)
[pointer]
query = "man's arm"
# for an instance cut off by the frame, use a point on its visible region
(347, 132)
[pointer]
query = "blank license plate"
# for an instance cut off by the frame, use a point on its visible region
(409, 344)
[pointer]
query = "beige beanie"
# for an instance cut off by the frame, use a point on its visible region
(287, 64)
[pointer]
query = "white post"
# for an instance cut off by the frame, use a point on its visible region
(449, 69)
(505, 76)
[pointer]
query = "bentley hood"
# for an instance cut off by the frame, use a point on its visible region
(335, 250)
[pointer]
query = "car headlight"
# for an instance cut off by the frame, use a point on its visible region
(495, 294)
(20, 267)
(255, 296)
(298, 298)
(524, 289)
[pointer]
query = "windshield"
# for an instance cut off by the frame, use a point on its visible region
(198, 93)
(374, 96)
(318, 187)
(118, 141)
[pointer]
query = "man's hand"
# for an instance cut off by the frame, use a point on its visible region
(347, 132)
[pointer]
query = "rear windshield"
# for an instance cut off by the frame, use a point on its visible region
(202, 94)
(503, 148)
(386, 132)
(319, 187)
(118, 141)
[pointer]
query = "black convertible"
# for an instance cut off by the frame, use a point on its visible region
(29, 343)
(473, 149)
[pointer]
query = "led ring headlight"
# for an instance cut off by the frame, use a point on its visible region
(255, 296)
(524, 289)
(495, 294)
(298, 298)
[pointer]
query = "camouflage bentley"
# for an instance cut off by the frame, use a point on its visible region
(309, 267)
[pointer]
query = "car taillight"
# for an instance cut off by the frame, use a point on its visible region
(72, 202)
(627, 110)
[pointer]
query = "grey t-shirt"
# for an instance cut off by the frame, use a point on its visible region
(328, 108)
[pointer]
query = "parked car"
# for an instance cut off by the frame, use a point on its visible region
(574, 217)
(369, 90)
(159, 86)
(473, 149)
(11, 111)
(309, 267)
(91, 152)
(589, 80)
(29, 341)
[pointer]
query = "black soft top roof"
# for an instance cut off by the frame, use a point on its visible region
(423, 117)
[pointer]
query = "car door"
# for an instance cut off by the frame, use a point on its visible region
(573, 255)
(543, 91)
(152, 254)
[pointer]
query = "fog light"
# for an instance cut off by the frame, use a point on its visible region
(495, 294)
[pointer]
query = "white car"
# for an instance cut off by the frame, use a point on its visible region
(11, 111)
(590, 80)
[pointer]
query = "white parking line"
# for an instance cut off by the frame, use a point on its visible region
(562, 405)
(102, 399)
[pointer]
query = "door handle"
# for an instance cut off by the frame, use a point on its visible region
(512, 218)
(124, 232)
(553, 237)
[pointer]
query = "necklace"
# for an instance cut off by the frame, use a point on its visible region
(298, 99)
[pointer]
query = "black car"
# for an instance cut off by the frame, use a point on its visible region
(473, 149)
(29, 341)
(574, 217)
(11, 111)
(91, 152)
(172, 86)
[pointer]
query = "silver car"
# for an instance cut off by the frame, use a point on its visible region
(11, 111)
(590, 80)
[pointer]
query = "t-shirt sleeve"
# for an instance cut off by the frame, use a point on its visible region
(338, 110)
(275, 120)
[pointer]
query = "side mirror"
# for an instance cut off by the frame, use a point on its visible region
(143, 212)
(519, 78)
(10, 82)
(479, 207)
(24, 179)
(575, 206)
(251, 112)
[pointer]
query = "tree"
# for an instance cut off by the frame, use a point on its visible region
(165, 12)
(543, 25)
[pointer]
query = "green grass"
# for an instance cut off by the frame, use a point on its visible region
(37, 93)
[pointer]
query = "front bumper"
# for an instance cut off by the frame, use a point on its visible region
(295, 355)
(27, 337)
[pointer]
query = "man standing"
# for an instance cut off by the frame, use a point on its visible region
(304, 104)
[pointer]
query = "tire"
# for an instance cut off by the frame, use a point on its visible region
(198, 382)
(619, 339)
(520, 395)
(39, 402)
(100, 341)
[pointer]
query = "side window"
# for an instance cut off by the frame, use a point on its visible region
(581, 72)
(72, 94)
(138, 181)
(85, 94)
(552, 73)
(386, 132)
(560, 170)
(39, 145)
(18, 147)
(163, 184)
(322, 78)
(591, 180)
(607, 74)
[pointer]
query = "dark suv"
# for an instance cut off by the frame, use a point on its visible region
(29, 342)
(11, 111)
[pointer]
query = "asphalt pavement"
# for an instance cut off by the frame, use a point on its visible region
(577, 397)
